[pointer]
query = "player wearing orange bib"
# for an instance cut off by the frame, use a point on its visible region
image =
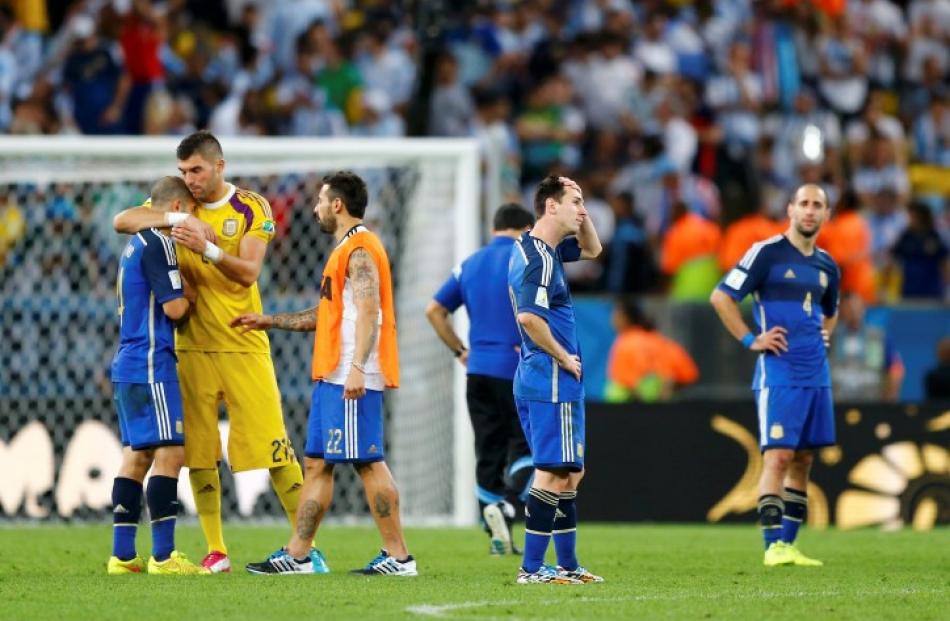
(227, 237)
(354, 360)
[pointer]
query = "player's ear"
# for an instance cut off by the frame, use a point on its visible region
(219, 165)
(549, 203)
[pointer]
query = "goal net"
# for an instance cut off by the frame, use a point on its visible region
(59, 445)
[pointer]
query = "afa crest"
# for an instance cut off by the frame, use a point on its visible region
(229, 227)
(580, 450)
(777, 432)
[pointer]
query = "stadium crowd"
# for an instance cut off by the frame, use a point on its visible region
(687, 123)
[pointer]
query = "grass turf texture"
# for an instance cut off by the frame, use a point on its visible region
(672, 572)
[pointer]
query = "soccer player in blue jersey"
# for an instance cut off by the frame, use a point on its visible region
(794, 285)
(480, 283)
(152, 297)
(548, 389)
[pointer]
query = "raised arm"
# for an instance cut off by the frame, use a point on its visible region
(135, 219)
(588, 240)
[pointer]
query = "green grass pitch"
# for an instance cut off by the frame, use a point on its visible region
(652, 572)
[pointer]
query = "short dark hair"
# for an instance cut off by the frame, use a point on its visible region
(202, 142)
(512, 216)
(550, 187)
(167, 189)
(349, 188)
(632, 309)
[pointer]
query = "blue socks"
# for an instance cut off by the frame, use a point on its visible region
(796, 504)
(126, 510)
(539, 521)
(162, 497)
(565, 531)
(771, 508)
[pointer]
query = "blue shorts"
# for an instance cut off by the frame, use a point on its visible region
(344, 430)
(555, 433)
(149, 414)
(795, 417)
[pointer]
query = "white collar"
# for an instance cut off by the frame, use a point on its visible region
(223, 201)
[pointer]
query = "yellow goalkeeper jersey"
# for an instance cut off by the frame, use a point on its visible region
(239, 213)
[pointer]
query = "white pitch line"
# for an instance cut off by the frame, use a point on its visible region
(444, 611)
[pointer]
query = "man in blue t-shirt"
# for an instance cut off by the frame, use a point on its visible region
(548, 388)
(794, 285)
(152, 296)
(480, 283)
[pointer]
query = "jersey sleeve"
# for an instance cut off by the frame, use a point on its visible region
(746, 276)
(160, 266)
(829, 301)
(533, 297)
(449, 294)
(261, 219)
(569, 250)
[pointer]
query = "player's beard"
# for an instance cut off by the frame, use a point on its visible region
(327, 225)
(805, 232)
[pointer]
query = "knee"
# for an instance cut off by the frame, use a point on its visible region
(778, 459)
(136, 464)
(803, 459)
(169, 460)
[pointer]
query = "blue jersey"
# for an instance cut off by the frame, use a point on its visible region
(148, 277)
(793, 291)
(537, 285)
(481, 284)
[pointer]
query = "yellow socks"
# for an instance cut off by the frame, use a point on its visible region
(288, 481)
(206, 488)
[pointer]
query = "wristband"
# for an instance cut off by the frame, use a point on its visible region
(213, 253)
(748, 339)
(359, 367)
(175, 217)
(461, 350)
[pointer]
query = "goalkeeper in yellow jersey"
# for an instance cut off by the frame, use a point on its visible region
(226, 240)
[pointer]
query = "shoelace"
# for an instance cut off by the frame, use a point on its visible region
(277, 554)
(382, 556)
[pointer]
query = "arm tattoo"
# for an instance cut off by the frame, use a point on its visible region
(301, 321)
(365, 277)
(365, 280)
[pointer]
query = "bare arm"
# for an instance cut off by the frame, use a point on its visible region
(438, 316)
(731, 317)
(299, 321)
(242, 269)
(588, 240)
(176, 309)
(540, 332)
(135, 219)
(364, 278)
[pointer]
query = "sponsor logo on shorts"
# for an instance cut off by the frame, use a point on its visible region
(372, 449)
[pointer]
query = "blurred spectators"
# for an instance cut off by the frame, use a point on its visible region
(864, 364)
(937, 380)
(724, 105)
(847, 238)
(922, 256)
(644, 365)
(690, 251)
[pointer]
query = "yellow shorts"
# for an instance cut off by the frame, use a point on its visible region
(248, 386)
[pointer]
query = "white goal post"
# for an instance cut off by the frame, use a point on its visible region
(424, 202)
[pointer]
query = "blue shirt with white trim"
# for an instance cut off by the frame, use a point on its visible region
(537, 285)
(148, 277)
(794, 291)
(481, 284)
